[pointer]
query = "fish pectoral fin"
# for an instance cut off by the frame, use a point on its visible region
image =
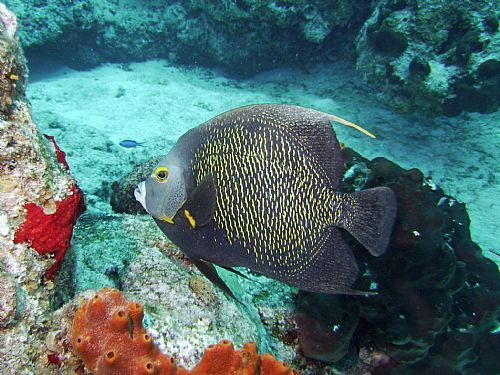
(209, 271)
(200, 206)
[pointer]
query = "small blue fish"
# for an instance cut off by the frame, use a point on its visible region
(129, 143)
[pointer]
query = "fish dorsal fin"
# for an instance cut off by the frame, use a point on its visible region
(350, 124)
(209, 271)
(314, 131)
(200, 206)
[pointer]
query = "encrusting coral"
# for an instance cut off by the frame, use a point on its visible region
(39, 204)
(108, 336)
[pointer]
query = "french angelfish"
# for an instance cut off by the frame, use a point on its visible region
(258, 187)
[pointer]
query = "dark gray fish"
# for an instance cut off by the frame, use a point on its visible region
(258, 187)
(129, 143)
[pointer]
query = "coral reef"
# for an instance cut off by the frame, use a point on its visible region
(13, 74)
(8, 21)
(438, 297)
(185, 313)
(93, 261)
(107, 334)
(439, 57)
(39, 204)
(182, 320)
(241, 36)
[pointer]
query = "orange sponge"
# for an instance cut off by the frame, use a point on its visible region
(222, 359)
(108, 335)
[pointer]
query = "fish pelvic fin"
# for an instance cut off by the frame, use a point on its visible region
(209, 271)
(368, 215)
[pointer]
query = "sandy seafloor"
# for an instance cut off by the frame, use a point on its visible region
(154, 102)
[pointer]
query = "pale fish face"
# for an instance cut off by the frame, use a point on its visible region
(163, 193)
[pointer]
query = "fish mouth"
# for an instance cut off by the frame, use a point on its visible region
(140, 194)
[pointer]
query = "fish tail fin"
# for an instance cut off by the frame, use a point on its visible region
(368, 215)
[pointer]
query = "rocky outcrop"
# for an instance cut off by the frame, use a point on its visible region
(39, 204)
(438, 57)
(243, 36)
(420, 55)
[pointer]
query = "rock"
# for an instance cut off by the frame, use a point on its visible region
(12, 65)
(489, 69)
(8, 21)
(423, 55)
(8, 297)
(242, 37)
(35, 222)
(419, 68)
(419, 55)
(122, 198)
(388, 41)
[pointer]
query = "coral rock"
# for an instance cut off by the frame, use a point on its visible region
(13, 75)
(225, 34)
(428, 56)
(39, 203)
(108, 335)
(8, 297)
(8, 19)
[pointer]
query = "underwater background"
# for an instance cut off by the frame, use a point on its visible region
(116, 83)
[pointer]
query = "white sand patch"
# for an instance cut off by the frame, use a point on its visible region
(153, 102)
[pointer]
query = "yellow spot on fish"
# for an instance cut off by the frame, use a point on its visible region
(167, 219)
(190, 218)
(14, 77)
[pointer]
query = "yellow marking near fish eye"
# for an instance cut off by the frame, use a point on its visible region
(14, 77)
(167, 219)
(161, 173)
(190, 218)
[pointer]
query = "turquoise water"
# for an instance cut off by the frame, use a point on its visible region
(421, 75)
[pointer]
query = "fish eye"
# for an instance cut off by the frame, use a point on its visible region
(161, 174)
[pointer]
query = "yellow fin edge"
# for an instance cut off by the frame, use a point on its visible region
(167, 219)
(352, 125)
